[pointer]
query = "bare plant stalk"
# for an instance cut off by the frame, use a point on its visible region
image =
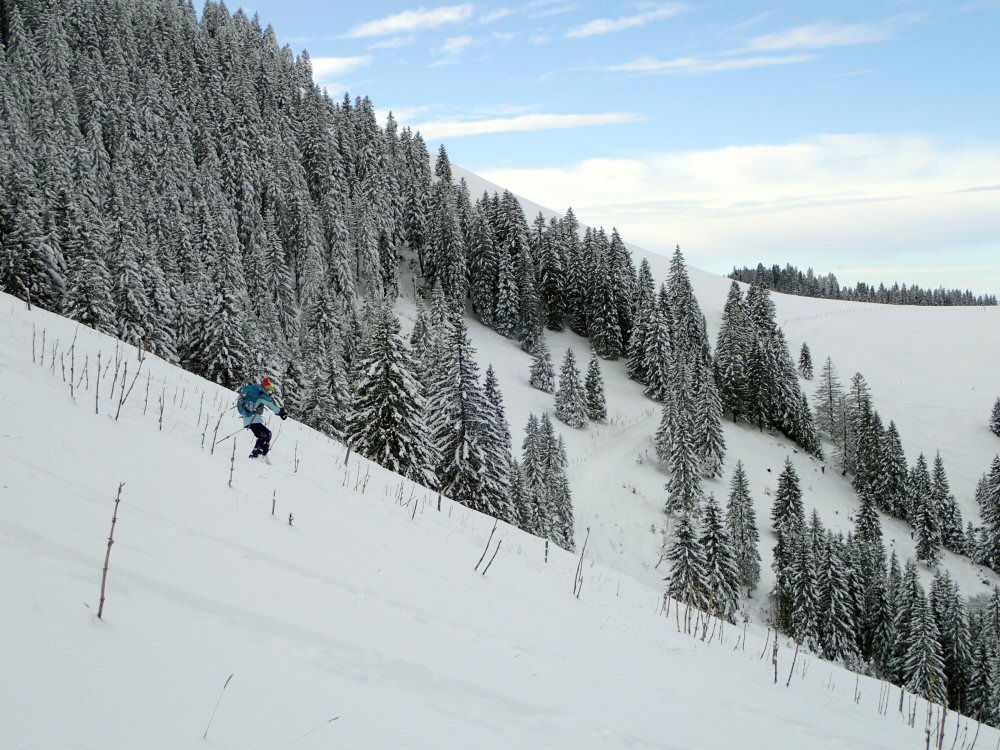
(62, 364)
(274, 501)
(296, 471)
(201, 403)
(792, 670)
(774, 657)
(41, 359)
(72, 366)
(126, 393)
(121, 395)
(145, 403)
(232, 464)
(494, 556)
(487, 548)
(578, 578)
(107, 555)
(97, 388)
(33, 334)
(55, 348)
(215, 434)
(319, 726)
(212, 717)
(290, 519)
(163, 404)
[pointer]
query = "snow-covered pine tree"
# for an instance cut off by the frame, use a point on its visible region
(559, 499)
(657, 359)
(891, 493)
(828, 394)
(995, 418)
(804, 595)
(805, 362)
(956, 642)
(988, 497)
(686, 583)
(925, 515)
(571, 396)
(952, 526)
(923, 665)
(597, 408)
(711, 445)
(741, 525)
(531, 466)
(458, 422)
(388, 423)
(645, 306)
(684, 486)
(542, 376)
(835, 610)
(497, 450)
(788, 521)
(551, 276)
(484, 268)
(907, 593)
(507, 312)
(731, 352)
(721, 573)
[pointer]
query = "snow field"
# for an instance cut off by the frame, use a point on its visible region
(366, 608)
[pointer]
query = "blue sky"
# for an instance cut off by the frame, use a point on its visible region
(858, 137)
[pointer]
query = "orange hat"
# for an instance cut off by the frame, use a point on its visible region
(266, 384)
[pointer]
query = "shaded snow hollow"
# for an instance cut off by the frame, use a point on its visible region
(368, 607)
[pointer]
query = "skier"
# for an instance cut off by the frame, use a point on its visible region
(252, 400)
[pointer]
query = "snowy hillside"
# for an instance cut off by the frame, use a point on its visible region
(366, 608)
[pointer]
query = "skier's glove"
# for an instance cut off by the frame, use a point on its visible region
(283, 414)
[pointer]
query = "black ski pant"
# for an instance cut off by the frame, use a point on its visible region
(263, 436)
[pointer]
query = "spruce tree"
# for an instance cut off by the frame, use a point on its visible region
(741, 525)
(543, 376)
(956, 642)
(805, 362)
(995, 418)
(388, 421)
(597, 409)
(571, 396)
(829, 391)
(925, 515)
(836, 614)
(686, 583)
(923, 666)
(988, 498)
(721, 573)
(952, 527)
(732, 349)
(497, 450)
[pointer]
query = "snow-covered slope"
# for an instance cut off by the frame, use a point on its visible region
(931, 370)
(366, 608)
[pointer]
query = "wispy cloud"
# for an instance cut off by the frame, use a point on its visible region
(521, 123)
(821, 36)
(609, 25)
(698, 65)
(454, 45)
(394, 43)
(325, 67)
(494, 16)
(413, 20)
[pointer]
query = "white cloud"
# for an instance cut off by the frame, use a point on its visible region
(609, 25)
(413, 20)
(495, 15)
(457, 128)
(454, 45)
(831, 201)
(394, 43)
(325, 67)
(820, 36)
(695, 65)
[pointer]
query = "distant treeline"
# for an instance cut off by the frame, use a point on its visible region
(790, 280)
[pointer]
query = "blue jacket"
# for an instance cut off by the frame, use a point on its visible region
(255, 398)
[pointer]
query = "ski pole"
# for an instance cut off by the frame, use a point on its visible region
(221, 440)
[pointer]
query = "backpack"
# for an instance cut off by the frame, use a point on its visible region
(248, 394)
